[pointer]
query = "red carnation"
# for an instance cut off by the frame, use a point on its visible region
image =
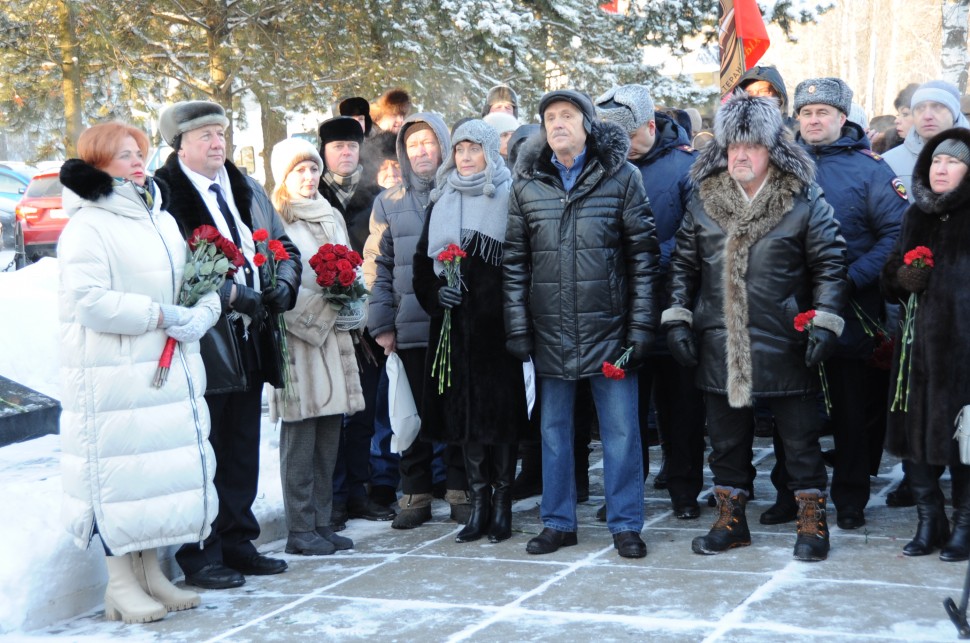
(803, 320)
(259, 259)
(347, 277)
(260, 234)
(919, 257)
(612, 372)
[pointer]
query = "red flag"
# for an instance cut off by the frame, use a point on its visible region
(611, 7)
(743, 39)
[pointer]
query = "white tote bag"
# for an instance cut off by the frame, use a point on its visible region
(405, 421)
(962, 436)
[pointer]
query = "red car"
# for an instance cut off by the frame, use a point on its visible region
(40, 219)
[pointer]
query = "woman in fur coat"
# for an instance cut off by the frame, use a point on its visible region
(938, 384)
(484, 407)
(323, 367)
(136, 461)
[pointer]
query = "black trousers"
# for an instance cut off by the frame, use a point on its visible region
(731, 432)
(235, 440)
(679, 406)
(858, 422)
(353, 455)
(416, 470)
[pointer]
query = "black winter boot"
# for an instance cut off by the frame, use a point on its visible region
(480, 491)
(902, 495)
(731, 527)
(503, 463)
(958, 546)
(812, 543)
(933, 529)
(529, 481)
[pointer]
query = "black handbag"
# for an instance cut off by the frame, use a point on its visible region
(224, 368)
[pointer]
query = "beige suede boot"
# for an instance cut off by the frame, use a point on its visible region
(153, 580)
(124, 599)
(415, 511)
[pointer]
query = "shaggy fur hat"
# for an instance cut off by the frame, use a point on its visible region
(393, 101)
(356, 106)
(941, 92)
(502, 122)
(473, 131)
(629, 106)
(582, 102)
(825, 91)
(501, 94)
(186, 116)
(752, 119)
(289, 152)
(341, 128)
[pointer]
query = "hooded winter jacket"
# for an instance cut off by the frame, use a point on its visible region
(580, 266)
(741, 272)
(938, 382)
(395, 227)
(136, 459)
(862, 190)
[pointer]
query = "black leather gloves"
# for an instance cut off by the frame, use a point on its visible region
(520, 347)
(449, 297)
(249, 302)
(281, 297)
(821, 347)
(682, 344)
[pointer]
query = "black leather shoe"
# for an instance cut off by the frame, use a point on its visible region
(687, 510)
(850, 518)
(601, 514)
(364, 507)
(339, 517)
(550, 540)
(383, 494)
(215, 576)
(258, 565)
(629, 544)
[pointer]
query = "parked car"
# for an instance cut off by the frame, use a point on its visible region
(14, 178)
(40, 219)
(7, 220)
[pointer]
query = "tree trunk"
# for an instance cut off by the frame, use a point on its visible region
(217, 37)
(71, 75)
(953, 56)
(273, 123)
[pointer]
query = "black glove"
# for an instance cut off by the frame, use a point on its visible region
(821, 347)
(682, 344)
(449, 296)
(520, 347)
(637, 355)
(278, 298)
(913, 279)
(249, 302)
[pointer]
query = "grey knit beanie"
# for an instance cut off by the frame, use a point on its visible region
(473, 131)
(628, 106)
(955, 148)
(824, 91)
(938, 91)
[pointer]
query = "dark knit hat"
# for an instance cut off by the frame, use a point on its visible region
(825, 91)
(186, 116)
(582, 102)
(341, 128)
(955, 148)
(629, 106)
(501, 94)
(393, 101)
(356, 106)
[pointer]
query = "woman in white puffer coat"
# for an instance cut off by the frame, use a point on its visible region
(137, 465)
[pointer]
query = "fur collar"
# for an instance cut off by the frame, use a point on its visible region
(186, 204)
(607, 143)
(744, 224)
(928, 200)
(92, 184)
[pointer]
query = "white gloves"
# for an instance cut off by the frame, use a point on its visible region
(190, 324)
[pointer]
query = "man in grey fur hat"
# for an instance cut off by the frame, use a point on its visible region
(758, 245)
(579, 270)
(240, 351)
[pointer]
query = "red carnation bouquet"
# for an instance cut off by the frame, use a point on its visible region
(269, 252)
(451, 257)
(615, 370)
(920, 261)
(805, 322)
(214, 259)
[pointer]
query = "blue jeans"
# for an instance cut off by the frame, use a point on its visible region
(617, 410)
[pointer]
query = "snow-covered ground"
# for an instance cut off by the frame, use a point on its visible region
(420, 585)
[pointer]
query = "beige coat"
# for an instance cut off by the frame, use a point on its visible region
(323, 366)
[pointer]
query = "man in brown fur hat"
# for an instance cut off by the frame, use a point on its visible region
(758, 245)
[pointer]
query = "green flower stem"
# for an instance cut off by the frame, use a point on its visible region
(901, 397)
(825, 389)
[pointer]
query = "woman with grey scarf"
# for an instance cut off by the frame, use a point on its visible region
(484, 407)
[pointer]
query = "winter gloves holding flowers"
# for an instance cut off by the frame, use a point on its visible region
(449, 297)
(281, 297)
(821, 346)
(913, 278)
(190, 324)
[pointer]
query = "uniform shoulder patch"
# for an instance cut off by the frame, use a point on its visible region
(900, 189)
(685, 148)
(870, 154)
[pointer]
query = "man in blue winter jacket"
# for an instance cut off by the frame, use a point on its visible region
(660, 149)
(869, 202)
